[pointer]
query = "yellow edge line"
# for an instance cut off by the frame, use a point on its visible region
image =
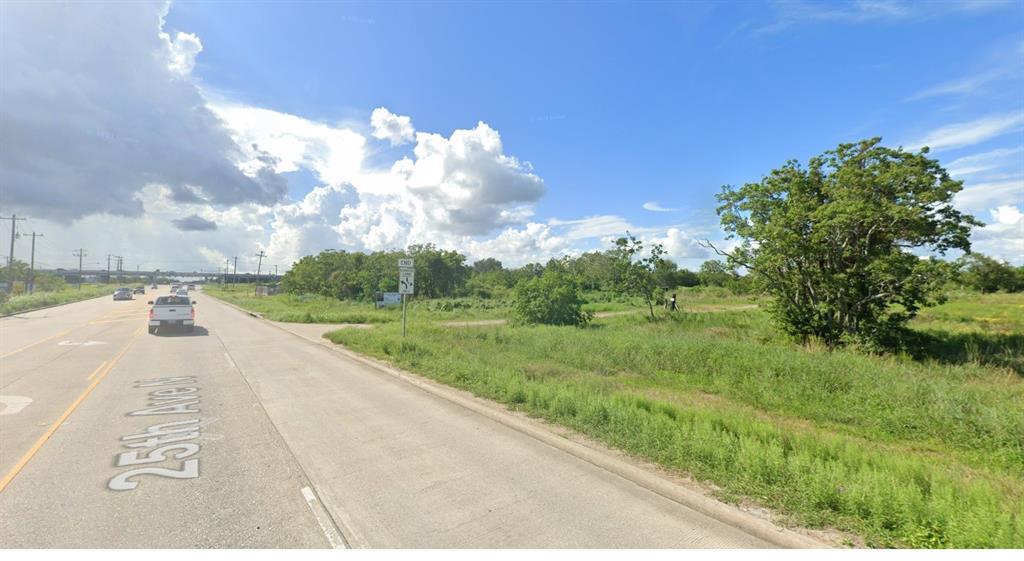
(100, 373)
(62, 333)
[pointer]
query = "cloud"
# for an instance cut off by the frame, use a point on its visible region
(794, 12)
(396, 129)
(75, 116)
(194, 223)
(979, 196)
(679, 245)
(966, 85)
(514, 247)
(1003, 236)
(602, 226)
(183, 51)
(971, 132)
(118, 154)
(987, 161)
(656, 207)
(290, 142)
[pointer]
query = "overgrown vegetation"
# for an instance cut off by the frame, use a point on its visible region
(905, 451)
(39, 299)
(550, 299)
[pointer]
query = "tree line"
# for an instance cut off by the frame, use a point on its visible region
(444, 273)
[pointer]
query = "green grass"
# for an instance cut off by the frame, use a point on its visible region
(25, 302)
(321, 309)
(904, 452)
(304, 308)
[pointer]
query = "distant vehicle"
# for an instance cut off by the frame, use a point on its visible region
(175, 288)
(181, 293)
(139, 290)
(172, 311)
(123, 294)
(191, 286)
(154, 287)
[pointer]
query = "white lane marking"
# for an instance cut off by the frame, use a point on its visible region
(231, 361)
(14, 403)
(68, 343)
(326, 524)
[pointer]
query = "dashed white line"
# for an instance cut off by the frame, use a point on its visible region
(332, 534)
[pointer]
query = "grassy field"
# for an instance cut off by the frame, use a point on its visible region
(24, 302)
(320, 309)
(924, 449)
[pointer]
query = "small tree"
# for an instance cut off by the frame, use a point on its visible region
(635, 275)
(552, 299)
(834, 243)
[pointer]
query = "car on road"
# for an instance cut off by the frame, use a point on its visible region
(175, 288)
(154, 287)
(123, 293)
(172, 311)
(191, 286)
(139, 290)
(181, 293)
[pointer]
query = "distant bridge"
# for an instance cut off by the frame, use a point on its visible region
(201, 276)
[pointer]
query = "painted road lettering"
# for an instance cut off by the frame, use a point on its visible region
(163, 442)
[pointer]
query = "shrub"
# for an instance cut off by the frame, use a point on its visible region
(551, 299)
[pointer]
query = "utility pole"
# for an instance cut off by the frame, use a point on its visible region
(224, 279)
(120, 268)
(10, 258)
(32, 266)
(108, 267)
(261, 255)
(79, 254)
(275, 272)
(234, 272)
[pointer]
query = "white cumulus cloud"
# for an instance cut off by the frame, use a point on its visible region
(397, 129)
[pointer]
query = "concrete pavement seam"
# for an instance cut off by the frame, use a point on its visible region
(652, 482)
(344, 529)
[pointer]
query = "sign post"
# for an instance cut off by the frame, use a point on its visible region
(406, 284)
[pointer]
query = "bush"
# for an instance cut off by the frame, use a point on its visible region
(551, 299)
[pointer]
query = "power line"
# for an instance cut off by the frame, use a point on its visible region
(261, 255)
(32, 265)
(10, 258)
(79, 254)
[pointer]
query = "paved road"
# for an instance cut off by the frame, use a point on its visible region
(243, 435)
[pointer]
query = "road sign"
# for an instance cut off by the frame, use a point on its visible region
(405, 264)
(406, 281)
(389, 299)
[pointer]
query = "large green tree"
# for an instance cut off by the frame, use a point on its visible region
(837, 243)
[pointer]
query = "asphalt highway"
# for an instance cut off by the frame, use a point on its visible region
(241, 434)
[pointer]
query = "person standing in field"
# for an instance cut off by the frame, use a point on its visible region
(672, 304)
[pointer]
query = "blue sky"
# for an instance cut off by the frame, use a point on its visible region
(615, 105)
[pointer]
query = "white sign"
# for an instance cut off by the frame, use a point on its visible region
(391, 299)
(405, 264)
(406, 281)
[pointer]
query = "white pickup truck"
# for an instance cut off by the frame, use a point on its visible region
(172, 311)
